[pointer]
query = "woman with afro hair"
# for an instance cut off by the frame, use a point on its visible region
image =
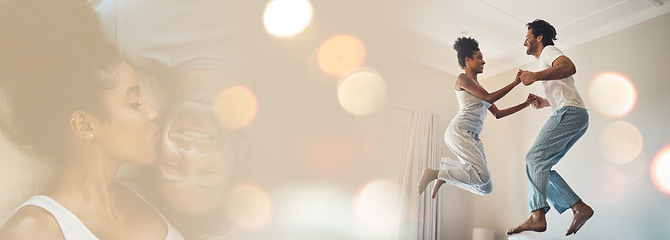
(470, 171)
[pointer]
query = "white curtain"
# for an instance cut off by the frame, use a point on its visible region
(420, 150)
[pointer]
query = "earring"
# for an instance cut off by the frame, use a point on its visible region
(72, 120)
(91, 134)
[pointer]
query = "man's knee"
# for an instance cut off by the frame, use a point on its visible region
(536, 157)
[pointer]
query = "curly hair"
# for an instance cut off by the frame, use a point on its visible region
(542, 28)
(54, 61)
(465, 47)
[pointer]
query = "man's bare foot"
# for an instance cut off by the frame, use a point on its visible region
(582, 213)
(536, 222)
(437, 187)
(428, 176)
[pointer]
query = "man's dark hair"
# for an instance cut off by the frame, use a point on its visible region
(542, 28)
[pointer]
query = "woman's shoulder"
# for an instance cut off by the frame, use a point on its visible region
(31, 222)
(462, 76)
(461, 81)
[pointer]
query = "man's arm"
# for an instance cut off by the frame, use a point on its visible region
(561, 68)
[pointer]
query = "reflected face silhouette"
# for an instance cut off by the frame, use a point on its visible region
(195, 163)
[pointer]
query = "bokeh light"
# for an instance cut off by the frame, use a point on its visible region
(634, 170)
(341, 53)
(660, 169)
(236, 107)
(377, 204)
(612, 94)
(608, 187)
(620, 142)
(249, 206)
(361, 91)
(284, 18)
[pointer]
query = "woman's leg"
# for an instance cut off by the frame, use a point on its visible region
(471, 171)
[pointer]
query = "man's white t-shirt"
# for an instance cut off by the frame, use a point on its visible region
(560, 92)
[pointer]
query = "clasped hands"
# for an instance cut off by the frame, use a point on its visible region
(528, 78)
(536, 101)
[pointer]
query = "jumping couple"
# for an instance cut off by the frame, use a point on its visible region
(568, 122)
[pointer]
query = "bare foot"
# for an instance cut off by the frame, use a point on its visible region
(536, 222)
(428, 176)
(437, 187)
(582, 213)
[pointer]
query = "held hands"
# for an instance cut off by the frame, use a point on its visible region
(527, 77)
(517, 79)
(531, 98)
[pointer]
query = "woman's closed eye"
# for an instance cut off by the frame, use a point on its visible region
(136, 104)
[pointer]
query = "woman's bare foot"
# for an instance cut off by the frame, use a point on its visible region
(428, 176)
(536, 222)
(437, 187)
(582, 213)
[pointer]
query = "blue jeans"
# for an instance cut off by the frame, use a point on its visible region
(565, 126)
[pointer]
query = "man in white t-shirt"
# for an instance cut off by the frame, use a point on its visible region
(568, 122)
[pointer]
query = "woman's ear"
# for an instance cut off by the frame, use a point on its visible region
(83, 124)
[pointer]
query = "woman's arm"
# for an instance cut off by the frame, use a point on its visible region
(509, 111)
(475, 89)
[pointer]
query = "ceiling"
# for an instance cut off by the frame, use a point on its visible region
(499, 26)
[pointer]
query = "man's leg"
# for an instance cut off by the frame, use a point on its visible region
(559, 192)
(549, 147)
(581, 213)
(561, 196)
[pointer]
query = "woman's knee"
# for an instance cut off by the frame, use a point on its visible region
(483, 178)
(486, 189)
